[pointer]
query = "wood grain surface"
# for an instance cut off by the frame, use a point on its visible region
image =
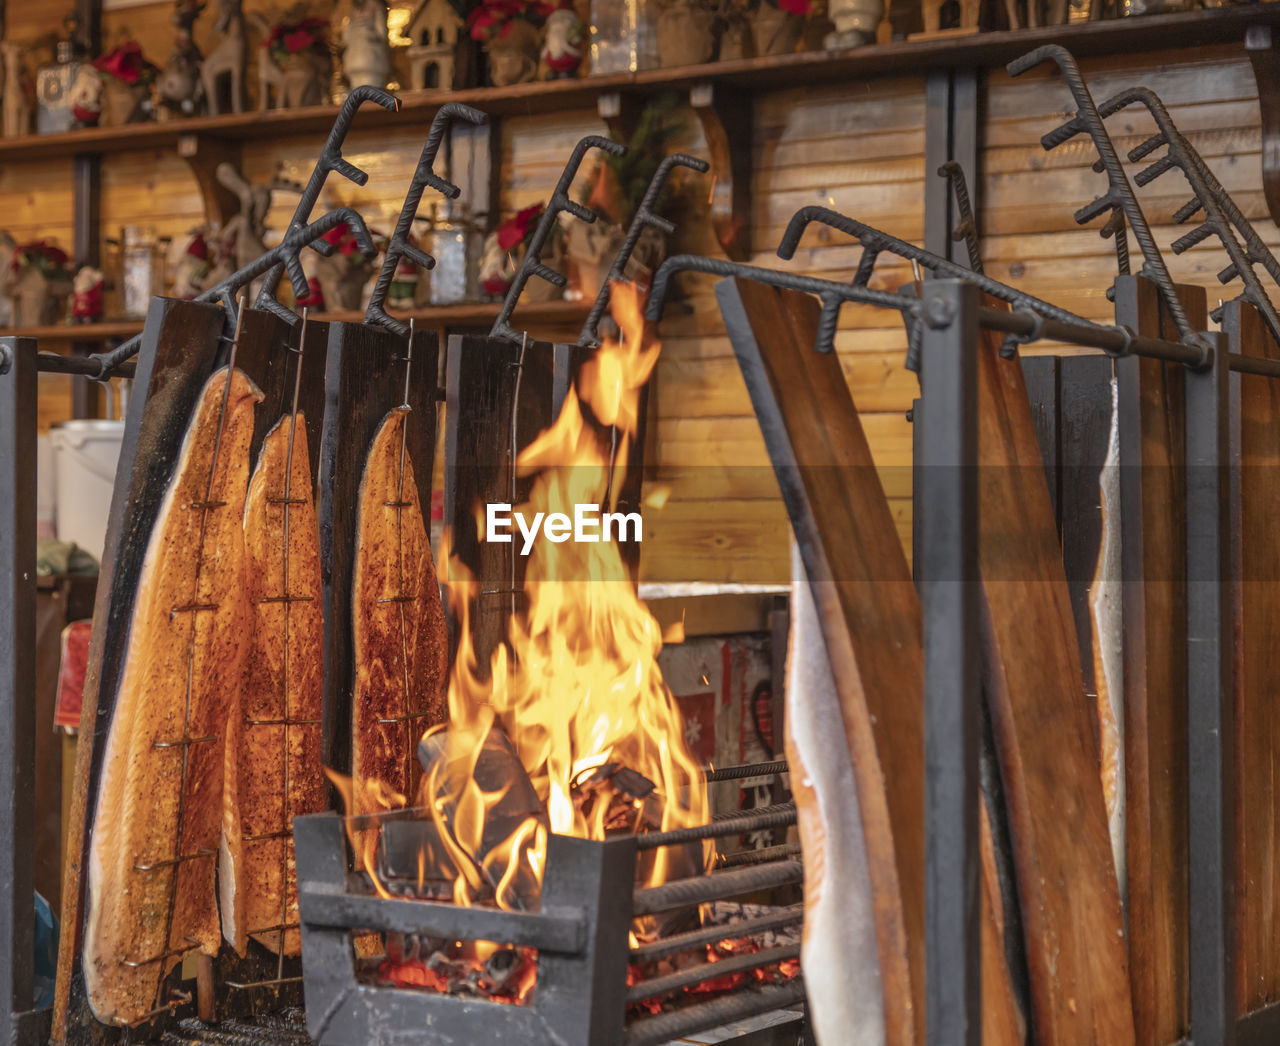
(871, 623)
(1153, 526)
(1044, 733)
(1256, 481)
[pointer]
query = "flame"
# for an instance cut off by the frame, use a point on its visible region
(575, 694)
(577, 686)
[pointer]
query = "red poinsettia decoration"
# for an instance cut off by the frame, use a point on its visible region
(494, 19)
(50, 260)
(290, 38)
(315, 296)
(344, 240)
(127, 65)
(800, 8)
(517, 230)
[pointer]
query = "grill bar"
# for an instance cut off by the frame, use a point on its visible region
(737, 773)
(768, 853)
(710, 934)
(716, 887)
(706, 971)
(652, 1031)
(733, 824)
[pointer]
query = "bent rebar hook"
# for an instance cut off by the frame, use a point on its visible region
(875, 242)
(532, 264)
(1119, 196)
(1222, 218)
(644, 216)
(832, 294)
(400, 247)
(330, 160)
(966, 229)
(284, 254)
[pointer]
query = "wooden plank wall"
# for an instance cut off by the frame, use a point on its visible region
(858, 148)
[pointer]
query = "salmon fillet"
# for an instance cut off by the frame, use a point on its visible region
(401, 645)
(265, 787)
(182, 668)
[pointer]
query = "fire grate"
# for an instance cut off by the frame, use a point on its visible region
(287, 1028)
(580, 934)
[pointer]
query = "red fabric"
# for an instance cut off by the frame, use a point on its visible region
(75, 658)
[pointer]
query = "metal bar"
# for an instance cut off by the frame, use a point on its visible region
(737, 773)
(1210, 737)
(704, 971)
(948, 582)
(1114, 341)
(18, 400)
(939, 98)
(716, 886)
(1260, 365)
(653, 1031)
(768, 853)
(558, 931)
(52, 363)
(734, 931)
(735, 824)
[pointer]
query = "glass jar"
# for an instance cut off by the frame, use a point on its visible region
(133, 269)
(623, 37)
(449, 242)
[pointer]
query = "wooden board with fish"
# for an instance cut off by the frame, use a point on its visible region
(379, 421)
(870, 621)
(179, 349)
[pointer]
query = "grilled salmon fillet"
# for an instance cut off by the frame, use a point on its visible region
(149, 900)
(274, 763)
(398, 624)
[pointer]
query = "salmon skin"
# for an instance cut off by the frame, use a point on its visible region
(151, 878)
(273, 757)
(398, 623)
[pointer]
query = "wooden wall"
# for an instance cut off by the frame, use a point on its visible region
(858, 148)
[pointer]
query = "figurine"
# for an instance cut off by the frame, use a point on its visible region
(855, 23)
(180, 87)
(247, 228)
(223, 71)
(366, 58)
(127, 77)
(86, 295)
(343, 275)
(437, 57)
(190, 262)
(85, 97)
(512, 37)
(565, 41)
(294, 63)
(37, 282)
(17, 107)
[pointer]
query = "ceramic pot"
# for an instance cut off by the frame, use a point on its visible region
(774, 30)
(513, 58)
(684, 33)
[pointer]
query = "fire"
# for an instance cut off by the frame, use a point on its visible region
(570, 728)
(577, 688)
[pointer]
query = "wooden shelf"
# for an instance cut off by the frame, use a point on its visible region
(537, 316)
(1191, 29)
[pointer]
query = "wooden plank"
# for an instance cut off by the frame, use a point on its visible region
(1256, 554)
(1153, 539)
(871, 624)
(365, 373)
(179, 349)
(1047, 750)
(498, 397)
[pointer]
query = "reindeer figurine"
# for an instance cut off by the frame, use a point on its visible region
(304, 78)
(180, 87)
(249, 226)
(16, 106)
(225, 64)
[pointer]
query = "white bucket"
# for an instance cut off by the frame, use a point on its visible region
(45, 498)
(85, 456)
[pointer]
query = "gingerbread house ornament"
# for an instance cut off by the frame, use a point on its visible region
(437, 55)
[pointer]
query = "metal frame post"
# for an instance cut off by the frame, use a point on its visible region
(18, 404)
(1210, 738)
(948, 582)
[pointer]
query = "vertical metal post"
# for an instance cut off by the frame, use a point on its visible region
(948, 582)
(18, 395)
(1209, 694)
